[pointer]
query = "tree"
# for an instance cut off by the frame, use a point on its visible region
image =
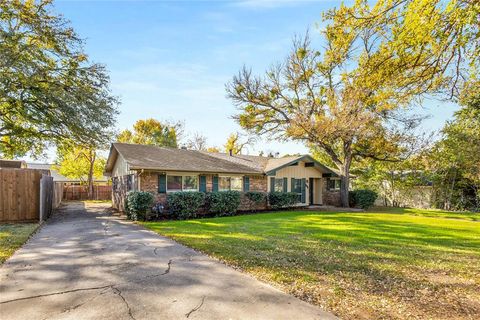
(151, 131)
(351, 101)
(49, 90)
(455, 159)
(235, 144)
(197, 142)
(213, 149)
(79, 162)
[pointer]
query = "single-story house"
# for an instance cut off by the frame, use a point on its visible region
(162, 170)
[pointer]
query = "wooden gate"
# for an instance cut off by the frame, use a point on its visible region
(19, 194)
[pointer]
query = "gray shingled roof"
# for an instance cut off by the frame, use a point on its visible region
(169, 159)
(151, 157)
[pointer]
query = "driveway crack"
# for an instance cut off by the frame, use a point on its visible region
(119, 293)
(196, 308)
(112, 286)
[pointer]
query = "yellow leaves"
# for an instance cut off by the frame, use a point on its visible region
(301, 53)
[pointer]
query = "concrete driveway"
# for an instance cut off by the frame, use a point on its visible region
(86, 264)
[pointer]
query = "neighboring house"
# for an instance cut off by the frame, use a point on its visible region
(162, 170)
(408, 188)
(57, 177)
(16, 164)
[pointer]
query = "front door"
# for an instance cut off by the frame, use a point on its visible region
(310, 191)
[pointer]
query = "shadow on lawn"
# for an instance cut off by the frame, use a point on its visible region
(429, 265)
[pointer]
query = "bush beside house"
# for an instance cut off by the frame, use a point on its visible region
(185, 205)
(362, 198)
(223, 203)
(279, 200)
(138, 204)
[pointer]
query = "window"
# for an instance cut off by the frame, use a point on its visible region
(115, 183)
(278, 187)
(297, 188)
(190, 183)
(334, 184)
(130, 178)
(236, 183)
(223, 183)
(182, 183)
(174, 183)
(230, 183)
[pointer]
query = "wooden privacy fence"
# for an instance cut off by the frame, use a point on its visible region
(25, 195)
(76, 192)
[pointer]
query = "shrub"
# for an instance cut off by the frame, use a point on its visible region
(223, 202)
(362, 198)
(185, 205)
(137, 204)
(279, 200)
(255, 198)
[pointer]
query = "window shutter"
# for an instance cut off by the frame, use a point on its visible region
(303, 191)
(285, 182)
(203, 184)
(292, 185)
(162, 183)
(246, 183)
(215, 183)
(272, 184)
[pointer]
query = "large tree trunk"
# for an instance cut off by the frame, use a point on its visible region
(344, 185)
(90, 173)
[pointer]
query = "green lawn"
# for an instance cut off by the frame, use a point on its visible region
(393, 264)
(13, 236)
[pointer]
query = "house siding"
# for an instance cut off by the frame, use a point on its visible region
(300, 172)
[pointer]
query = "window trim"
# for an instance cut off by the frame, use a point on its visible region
(181, 183)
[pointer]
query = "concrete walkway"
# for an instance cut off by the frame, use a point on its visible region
(87, 264)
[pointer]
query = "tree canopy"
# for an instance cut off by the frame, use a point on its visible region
(151, 131)
(49, 90)
(80, 163)
(236, 144)
(352, 99)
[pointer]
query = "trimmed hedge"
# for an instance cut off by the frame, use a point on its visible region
(137, 204)
(280, 200)
(223, 202)
(362, 198)
(255, 198)
(185, 205)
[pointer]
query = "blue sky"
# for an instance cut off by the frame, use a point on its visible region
(170, 60)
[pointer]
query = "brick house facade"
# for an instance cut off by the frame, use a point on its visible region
(164, 170)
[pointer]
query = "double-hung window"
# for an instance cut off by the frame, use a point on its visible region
(278, 186)
(230, 183)
(182, 183)
(297, 188)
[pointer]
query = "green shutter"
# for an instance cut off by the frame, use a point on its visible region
(246, 183)
(285, 182)
(272, 184)
(292, 185)
(203, 184)
(303, 199)
(162, 183)
(215, 183)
